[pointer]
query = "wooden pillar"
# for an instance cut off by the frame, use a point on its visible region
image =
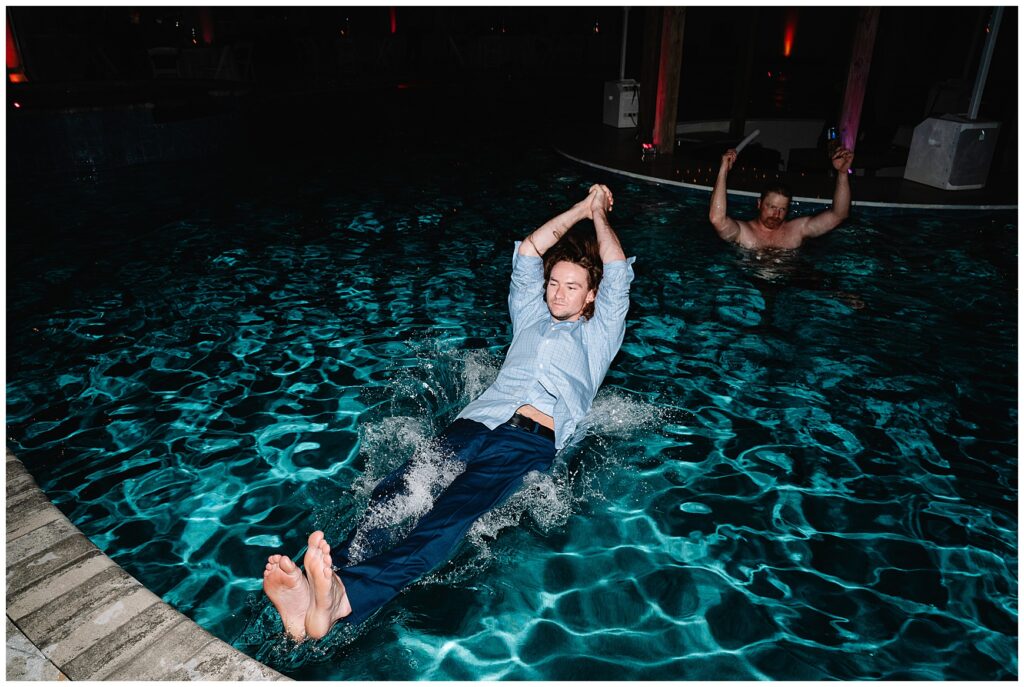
(669, 66)
(857, 78)
(649, 71)
(745, 65)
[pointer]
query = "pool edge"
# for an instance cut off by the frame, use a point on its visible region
(88, 619)
(800, 199)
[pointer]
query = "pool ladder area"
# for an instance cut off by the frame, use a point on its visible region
(74, 614)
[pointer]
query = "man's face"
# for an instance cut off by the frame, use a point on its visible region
(772, 210)
(567, 292)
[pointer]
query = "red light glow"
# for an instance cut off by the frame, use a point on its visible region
(393, 17)
(17, 106)
(790, 35)
(206, 24)
(13, 59)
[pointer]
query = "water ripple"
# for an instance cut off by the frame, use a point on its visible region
(802, 466)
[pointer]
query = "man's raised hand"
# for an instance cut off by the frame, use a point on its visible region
(729, 159)
(842, 159)
(600, 200)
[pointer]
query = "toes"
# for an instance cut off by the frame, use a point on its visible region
(287, 565)
(315, 540)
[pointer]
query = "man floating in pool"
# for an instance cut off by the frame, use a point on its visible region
(565, 332)
(770, 228)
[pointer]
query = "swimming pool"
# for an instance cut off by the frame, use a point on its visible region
(800, 466)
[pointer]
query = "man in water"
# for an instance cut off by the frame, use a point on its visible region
(770, 228)
(565, 332)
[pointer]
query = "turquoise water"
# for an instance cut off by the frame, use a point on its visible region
(801, 466)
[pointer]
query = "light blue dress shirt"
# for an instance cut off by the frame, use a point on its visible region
(555, 366)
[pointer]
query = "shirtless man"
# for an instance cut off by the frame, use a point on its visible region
(770, 228)
(565, 332)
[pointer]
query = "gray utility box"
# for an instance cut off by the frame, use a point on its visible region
(952, 152)
(621, 103)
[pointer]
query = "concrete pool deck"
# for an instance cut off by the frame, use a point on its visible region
(74, 614)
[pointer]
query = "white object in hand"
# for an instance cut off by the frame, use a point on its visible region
(748, 139)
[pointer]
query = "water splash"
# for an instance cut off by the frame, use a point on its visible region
(386, 522)
(797, 469)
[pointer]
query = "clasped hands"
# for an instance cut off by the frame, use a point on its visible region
(599, 200)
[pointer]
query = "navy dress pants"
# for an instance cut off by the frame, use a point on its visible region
(496, 462)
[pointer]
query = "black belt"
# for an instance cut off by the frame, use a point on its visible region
(523, 422)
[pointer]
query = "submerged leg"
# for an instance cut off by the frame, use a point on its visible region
(495, 469)
(457, 441)
(288, 590)
(374, 538)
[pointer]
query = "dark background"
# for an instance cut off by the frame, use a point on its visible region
(329, 76)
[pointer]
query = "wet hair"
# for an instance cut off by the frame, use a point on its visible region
(779, 188)
(579, 247)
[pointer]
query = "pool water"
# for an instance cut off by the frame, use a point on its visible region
(801, 466)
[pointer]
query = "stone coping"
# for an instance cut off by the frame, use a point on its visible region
(74, 614)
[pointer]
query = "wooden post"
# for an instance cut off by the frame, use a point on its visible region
(669, 66)
(857, 78)
(649, 71)
(741, 92)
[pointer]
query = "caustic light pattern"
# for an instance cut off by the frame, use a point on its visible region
(801, 466)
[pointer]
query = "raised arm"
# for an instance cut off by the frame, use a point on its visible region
(840, 210)
(548, 233)
(727, 227)
(601, 202)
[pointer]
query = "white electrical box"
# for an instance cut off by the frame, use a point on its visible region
(621, 103)
(952, 152)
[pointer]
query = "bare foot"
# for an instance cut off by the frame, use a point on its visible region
(287, 588)
(329, 603)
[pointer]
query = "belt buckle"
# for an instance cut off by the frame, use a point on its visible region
(530, 425)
